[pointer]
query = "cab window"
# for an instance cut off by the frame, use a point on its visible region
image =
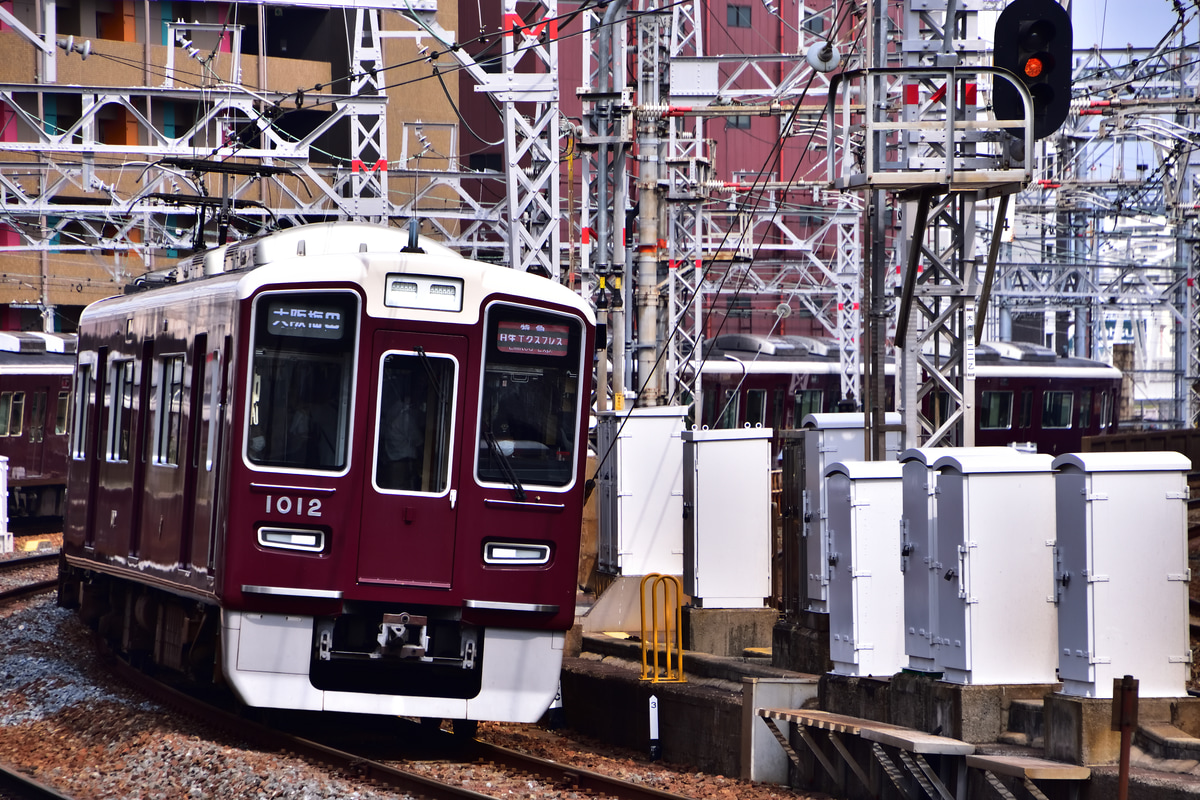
(530, 403)
(301, 378)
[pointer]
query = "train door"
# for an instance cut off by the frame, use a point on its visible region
(409, 503)
(37, 433)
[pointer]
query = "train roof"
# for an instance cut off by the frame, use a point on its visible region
(350, 252)
(758, 353)
(32, 352)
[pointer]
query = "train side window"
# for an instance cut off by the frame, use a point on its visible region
(1026, 417)
(807, 401)
(730, 410)
(1085, 409)
(120, 427)
(530, 403)
(60, 413)
(37, 417)
(170, 411)
(416, 417)
(12, 413)
(1106, 407)
(1056, 409)
(756, 407)
(995, 411)
(212, 407)
(83, 391)
(301, 380)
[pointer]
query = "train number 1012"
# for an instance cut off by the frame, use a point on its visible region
(300, 506)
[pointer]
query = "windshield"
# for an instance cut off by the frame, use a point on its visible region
(529, 408)
(301, 379)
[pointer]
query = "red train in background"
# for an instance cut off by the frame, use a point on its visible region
(341, 468)
(1025, 394)
(35, 387)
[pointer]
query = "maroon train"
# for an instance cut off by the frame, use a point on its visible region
(35, 387)
(343, 471)
(1025, 394)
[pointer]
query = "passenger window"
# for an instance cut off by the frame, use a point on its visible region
(61, 412)
(730, 410)
(756, 407)
(1085, 409)
(1056, 409)
(170, 411)
(530, 404)
(416, 417)
(1106, 407)
(12, 413)
(120, 411)
(1026, 418)
(995, 411)
(83, 391)
(808, 401)
(37, 417)
(301, 379)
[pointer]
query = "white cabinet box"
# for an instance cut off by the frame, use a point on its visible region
(866, 623)
(640, 485)
(829, 439)
(919, 563)
(727, 517)
(1122, 572)
(996, 620)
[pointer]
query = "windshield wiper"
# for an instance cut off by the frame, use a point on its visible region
(505, 466)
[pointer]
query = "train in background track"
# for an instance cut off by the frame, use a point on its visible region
(1025, 394)
(35, 389)
(340, 467)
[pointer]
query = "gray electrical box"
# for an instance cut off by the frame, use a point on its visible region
(829, 439)
(1121, 572)
(919, 563)
(866, 624)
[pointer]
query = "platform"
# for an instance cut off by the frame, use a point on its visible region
(729, 717)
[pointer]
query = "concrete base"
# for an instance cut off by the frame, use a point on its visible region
(976, 714)
(865, 697)
(727, 631)
(802, 645)
(1079, 729)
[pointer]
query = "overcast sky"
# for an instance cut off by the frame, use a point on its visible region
(1116, 23)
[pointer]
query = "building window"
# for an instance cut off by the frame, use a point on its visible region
(739, 121)
(737, 16)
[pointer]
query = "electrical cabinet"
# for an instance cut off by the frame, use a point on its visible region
(866, 624)
(1121, 572)
(996, 621)
(727, 517)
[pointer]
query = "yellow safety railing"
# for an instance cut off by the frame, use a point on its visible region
(672, 600)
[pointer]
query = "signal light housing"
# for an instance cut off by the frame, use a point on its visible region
(1034, 42)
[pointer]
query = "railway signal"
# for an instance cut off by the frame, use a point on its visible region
(1033, 41)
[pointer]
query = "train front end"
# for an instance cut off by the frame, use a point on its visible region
(407, 445)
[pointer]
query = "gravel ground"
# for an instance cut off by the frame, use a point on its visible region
(64, 721)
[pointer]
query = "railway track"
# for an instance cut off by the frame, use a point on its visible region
(389, 775)
(27, 589)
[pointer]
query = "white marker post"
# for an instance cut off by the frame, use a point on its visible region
(655, 747)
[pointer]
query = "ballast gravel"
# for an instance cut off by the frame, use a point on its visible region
(67, 723)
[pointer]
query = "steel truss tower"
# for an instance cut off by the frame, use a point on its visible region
(1108, 228)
